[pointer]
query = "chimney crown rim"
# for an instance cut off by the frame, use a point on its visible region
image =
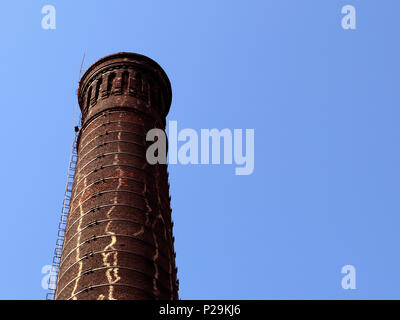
(127, 56)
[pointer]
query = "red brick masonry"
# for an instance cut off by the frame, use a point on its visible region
(118, 242)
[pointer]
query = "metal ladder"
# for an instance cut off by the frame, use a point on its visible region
(63, 220)
(52, 284)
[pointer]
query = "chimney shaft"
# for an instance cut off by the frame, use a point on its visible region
(118, 241)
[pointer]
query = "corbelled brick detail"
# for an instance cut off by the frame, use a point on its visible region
(118, 241)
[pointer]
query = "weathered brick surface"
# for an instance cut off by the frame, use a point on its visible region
(118, 242)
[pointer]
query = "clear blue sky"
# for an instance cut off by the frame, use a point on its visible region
(323, 102)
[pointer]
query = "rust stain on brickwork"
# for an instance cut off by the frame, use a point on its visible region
(118, 240)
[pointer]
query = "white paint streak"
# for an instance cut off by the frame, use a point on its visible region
(111, 258)
(78, 241)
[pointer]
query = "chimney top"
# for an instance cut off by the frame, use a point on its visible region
(141, 61)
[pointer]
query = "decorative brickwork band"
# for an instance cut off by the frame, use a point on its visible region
(118, 238)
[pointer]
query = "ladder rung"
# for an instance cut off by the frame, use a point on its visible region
(50, 295)
(56, 261)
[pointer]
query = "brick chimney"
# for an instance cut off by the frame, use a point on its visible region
(118, 240)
